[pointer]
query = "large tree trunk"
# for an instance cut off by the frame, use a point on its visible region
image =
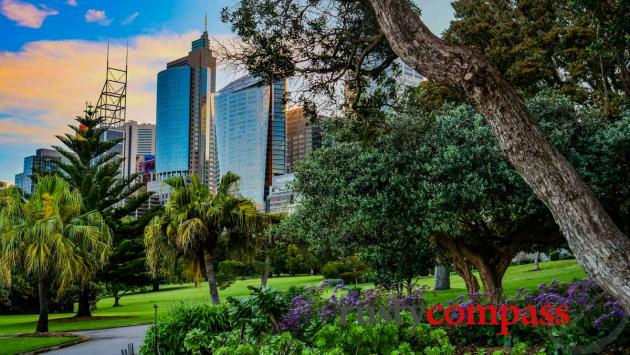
(491, 259)
(265, 272)
(599, 245)
(491, 278)
(442, 277)
(84, 303)
(211, 276)
(466, 273)
(42, 290)
(460, 264)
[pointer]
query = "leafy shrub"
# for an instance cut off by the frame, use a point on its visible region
(238, 268)
(554, 255)
(173, 329)
(272, 345)
(259, 313)
(349, 278)
(593, 315)
(382, 338)
(593, 312)
(197, 342)
(334, 269)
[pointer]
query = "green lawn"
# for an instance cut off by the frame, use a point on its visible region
(138, 309)
(24, 344)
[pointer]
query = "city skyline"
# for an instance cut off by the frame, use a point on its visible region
(36, 103)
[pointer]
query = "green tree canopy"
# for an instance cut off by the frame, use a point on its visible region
(92, 166)
(440, 180)
(580, 47)
(48, 237)
(195, 221)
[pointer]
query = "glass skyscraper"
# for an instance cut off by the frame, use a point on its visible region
(184, 132)
(42, 161)
(302, 137)
(250, 133)
(173, 120)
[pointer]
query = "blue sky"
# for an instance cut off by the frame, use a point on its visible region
(52, 58)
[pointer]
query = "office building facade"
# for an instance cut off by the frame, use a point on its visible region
(282, 198)
(138, 148)
(184, 133)
(251, 135)
(409, 77)
(302, 137)
(42, 161)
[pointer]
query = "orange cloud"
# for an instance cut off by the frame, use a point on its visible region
(14, 131)
(47, 83)
(25, 14)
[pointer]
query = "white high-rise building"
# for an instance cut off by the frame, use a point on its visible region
(409, 77)
(139, 146)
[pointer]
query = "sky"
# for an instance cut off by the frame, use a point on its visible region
(53, 59)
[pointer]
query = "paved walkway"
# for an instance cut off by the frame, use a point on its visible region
(106, 341)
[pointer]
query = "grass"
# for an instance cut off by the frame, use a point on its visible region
(24, 344)
(138, 308)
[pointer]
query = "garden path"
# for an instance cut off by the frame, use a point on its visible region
(106, 341)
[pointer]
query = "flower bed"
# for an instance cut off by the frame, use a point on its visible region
(382, 321)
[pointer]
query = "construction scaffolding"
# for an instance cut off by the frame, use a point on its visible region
(112, 103)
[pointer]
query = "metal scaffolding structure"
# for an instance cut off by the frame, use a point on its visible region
(112, 103)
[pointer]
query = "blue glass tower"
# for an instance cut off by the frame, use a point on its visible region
(173, 121)
(184, 122)
(250, 133)
(42, 161)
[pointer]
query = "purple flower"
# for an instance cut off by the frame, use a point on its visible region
(339, 287)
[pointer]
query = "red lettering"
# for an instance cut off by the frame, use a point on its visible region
(460, 315)
(545, 312)
(505, 321)
(470, 313)
(429, 315)
(562, 312)
(529, 315)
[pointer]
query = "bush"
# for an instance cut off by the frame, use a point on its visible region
(593, 315)
(554, 255)
(173, 329)
(238, 268)
(349, 278)
(382, 338)
(334, 269)
(272, 345)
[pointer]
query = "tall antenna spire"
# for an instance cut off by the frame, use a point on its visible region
(206, 23)
(127, 56)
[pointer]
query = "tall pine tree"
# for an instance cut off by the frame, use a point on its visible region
(92, 166)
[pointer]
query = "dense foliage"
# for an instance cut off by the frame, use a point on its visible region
(441, 180)
(577, 46)
(46, 237)
(194, 223)
(91, 165)
(318, 320)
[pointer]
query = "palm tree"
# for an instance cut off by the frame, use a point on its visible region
(42, 237)
(195, 219)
